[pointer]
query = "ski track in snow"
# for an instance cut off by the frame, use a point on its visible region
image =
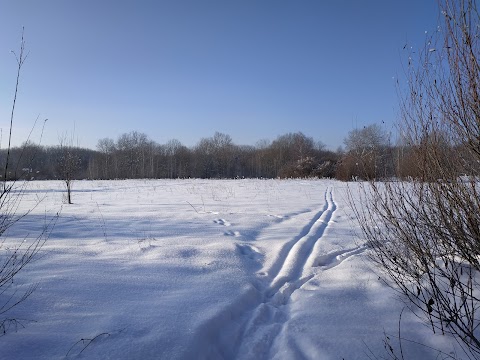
(335, 258)
(253, 326)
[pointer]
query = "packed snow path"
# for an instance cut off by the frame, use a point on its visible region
(197, 269)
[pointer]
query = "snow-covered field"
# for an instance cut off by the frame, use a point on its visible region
(204, 269)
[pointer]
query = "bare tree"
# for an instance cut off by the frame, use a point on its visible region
(172, 148)
(68, 164)
(365, 155)
(133, 153)
(425, 233)
(106, 147)
(214, 157)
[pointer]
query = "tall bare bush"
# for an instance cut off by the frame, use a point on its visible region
(425, 233)
(14, 256)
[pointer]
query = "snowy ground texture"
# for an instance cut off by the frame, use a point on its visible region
(197, 269)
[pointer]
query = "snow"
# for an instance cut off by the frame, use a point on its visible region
(204, 269)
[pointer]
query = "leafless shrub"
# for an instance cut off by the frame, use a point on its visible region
(14, 256)
(425, 233)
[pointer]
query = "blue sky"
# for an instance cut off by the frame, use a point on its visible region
(183, 69)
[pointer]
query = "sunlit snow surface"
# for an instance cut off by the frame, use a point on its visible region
(198, 269)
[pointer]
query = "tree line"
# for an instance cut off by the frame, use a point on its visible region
(134, 155)
(367, 154)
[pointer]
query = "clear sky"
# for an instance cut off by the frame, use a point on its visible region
(183, 69)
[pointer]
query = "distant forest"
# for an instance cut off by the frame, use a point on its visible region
(367, 154)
